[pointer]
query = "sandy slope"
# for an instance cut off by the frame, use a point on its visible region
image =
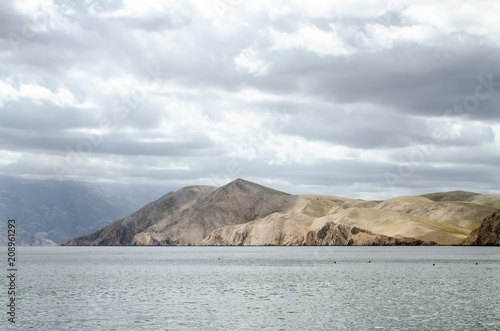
(402, 220)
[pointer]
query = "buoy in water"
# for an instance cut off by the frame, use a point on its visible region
(433, 264)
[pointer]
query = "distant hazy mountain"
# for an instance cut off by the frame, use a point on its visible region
(49, 212)
(245, 213)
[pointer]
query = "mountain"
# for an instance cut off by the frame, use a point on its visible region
(488, 233)
(49, 212)
(245, 213)
(187, 216)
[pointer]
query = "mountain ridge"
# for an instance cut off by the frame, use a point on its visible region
(246, 213)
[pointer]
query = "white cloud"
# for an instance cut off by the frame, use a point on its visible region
(377, 37)
(478, 18)
(249, 60)
(7, 93)
(38, 93)
(182, 120)
(9, 157)
(310, 38)
(496, 130)
(135, 9)
(320, 8)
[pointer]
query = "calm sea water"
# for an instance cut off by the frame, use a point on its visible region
(258, 288)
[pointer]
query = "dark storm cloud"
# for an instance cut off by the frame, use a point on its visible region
(43, 118)
(93, 143)
(368, 128)
(414, 80)
(10, 18)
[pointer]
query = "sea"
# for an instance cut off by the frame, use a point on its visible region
(255, 288)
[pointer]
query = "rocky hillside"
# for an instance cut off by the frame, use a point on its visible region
(245, 213)
(488, 233)
(190, 214)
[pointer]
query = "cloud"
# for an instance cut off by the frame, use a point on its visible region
(310, 97)
(249, 60)
(312, 39)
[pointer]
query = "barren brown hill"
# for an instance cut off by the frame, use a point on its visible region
(326, 220)
(245, 213)
(235, 203)
(190, 214)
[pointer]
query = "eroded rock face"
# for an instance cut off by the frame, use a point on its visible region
(488, 233)
(273, 230)
(331, 234)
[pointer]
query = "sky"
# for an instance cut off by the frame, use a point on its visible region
(362, 99)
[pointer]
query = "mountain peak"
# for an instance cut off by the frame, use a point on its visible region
(246, 186)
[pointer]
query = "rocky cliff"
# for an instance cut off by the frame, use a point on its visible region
(488, 233)
(331, 234)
